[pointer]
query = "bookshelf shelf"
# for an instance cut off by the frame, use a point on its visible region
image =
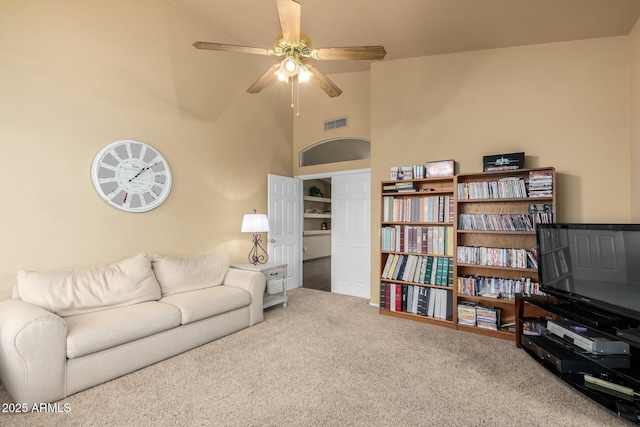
(512, 199)
(418, 318)
(416, 223)
(496, 232)
(315, 232)
(499, 333)
(316, 215)
(415, 193)
(488, 300)
(414, 253)
(480, 196)
(495, 267)
(316, 199)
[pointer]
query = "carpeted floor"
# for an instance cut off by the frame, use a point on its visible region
(329, 360)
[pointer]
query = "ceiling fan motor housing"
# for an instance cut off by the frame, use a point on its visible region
(282, 47)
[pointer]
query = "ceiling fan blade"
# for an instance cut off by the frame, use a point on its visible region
(265, 80)
(232, 48)
(289, 14)
(323, 82)
(351, 52)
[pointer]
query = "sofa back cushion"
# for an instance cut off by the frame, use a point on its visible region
(181, 274)
(84, 290)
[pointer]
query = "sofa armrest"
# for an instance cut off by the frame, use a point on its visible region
(255, 284)
(33, 352)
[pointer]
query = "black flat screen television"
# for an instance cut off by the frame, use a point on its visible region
(597, 265)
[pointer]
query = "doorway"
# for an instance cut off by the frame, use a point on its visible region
(316, 234)
(342, 227)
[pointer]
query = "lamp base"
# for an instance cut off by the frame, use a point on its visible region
(258, 255)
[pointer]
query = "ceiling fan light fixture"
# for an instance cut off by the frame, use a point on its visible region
(290, 65)
(281, 74)
(304, 74)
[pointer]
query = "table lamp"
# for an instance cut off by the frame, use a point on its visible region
(256, 223)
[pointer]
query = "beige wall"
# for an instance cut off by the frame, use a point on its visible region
(316, 108)
(634, 73)
(76, 75)
(565, 104)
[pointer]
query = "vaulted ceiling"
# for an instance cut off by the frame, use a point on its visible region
(412, 28)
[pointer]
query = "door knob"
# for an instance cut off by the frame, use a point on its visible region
(272, 240)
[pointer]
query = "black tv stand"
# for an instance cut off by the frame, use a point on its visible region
(612, 381)
(631, 334)
(586, 316)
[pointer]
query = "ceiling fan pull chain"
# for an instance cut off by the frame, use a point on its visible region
(292, 104)
(297, 97)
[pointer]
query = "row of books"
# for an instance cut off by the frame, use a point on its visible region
(497, 287)
(424, 301)
(504, 188)
(417, 209)
(472, 314)
(400, 187)
(497, 257)
(540, 184)
(428, 270)
(421, 239)
(496, 222)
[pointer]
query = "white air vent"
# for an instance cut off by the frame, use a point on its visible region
(334, 124)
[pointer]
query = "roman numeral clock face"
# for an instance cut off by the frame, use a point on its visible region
(131, 175)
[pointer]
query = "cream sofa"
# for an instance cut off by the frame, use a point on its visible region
(63, 332)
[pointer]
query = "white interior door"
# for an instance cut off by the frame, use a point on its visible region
(285, 222)
(351, 234)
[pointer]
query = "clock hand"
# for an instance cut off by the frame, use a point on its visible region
(142, 170)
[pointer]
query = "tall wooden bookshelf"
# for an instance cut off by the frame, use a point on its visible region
(496, 216)
(417, 232)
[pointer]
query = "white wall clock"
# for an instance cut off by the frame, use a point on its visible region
(131, 175)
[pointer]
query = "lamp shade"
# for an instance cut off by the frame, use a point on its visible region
(255, 223)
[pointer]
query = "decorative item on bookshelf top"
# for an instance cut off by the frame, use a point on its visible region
(400, 173)
(440, 169)
(501, 162)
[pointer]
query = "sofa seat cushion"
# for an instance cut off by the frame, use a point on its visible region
(92, 332)
(203, 303)
(83, 290)
(181, 274)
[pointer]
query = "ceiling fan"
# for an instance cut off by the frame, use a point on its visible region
(294, 46)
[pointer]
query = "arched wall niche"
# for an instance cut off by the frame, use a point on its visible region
(335, 150)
